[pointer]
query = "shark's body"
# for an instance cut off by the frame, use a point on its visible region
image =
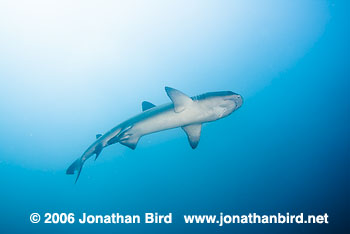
(183, 111)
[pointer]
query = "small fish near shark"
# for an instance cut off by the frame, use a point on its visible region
(183, 111)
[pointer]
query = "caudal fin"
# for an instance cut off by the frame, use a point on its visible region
(76, 166)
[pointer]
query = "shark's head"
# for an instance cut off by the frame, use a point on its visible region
(221, 104)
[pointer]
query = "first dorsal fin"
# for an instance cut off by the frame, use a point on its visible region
(147, 105)
(179, 99)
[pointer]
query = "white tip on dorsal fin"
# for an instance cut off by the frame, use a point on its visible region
(179, 99)
(193, 134)
(147, 105)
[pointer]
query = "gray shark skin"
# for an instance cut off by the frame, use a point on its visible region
(186, 112)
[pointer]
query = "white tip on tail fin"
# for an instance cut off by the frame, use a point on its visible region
(76, 166)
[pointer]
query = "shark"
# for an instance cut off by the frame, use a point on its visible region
(188, 113)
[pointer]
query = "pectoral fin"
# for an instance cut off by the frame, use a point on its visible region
(179, 99)
(193, 134)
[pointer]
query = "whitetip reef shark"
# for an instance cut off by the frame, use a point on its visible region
(186, 112)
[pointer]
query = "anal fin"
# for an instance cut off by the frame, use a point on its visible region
(98, 150)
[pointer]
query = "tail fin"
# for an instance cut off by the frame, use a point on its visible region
(76, 166)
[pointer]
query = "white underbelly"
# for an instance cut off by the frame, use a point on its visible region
(164, 121)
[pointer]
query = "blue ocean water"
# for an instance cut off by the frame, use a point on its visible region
(70, 70)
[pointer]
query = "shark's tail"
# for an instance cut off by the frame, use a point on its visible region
(76, 166)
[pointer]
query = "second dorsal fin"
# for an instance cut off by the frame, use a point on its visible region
(98, 136)
(147, 105)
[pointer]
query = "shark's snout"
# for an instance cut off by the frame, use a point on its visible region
(238, 100)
